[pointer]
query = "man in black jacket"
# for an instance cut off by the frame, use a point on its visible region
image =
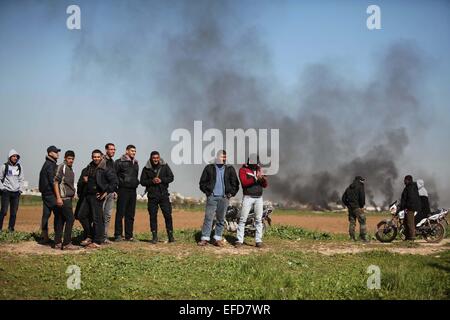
(410, 202)
(100, 182)
(46, 180)
(354, 198)
(110, 151)
(156, 177)
(127, 170)
(80, 209)
(219, 183)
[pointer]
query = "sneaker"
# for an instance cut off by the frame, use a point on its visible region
(365, 240)
(70, 247)
(86, 242)
(107, 241)
(238, 245)
(218, 243)
(259, 245)
(129, 239)
(58, 246)
(93, 245)
(118, 239)
(202, 243)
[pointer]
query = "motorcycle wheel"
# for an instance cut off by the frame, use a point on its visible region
(385, 233)
(436, 233)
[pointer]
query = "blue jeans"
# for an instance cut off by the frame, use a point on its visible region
(215, 207)
(247, 203)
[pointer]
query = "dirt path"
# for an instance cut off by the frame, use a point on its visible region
(181, 250)
(29, 219)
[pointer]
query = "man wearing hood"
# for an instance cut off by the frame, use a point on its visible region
(425, 211)
(156, 177)
(46, 181)
(11, 187)
(354, 198)
(127, 170)
(410, 202)
(100, 181)
(253, 182)
(219, 183)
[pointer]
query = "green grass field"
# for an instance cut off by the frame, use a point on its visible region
(283, 270)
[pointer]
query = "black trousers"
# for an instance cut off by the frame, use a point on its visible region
(64, 221)
(166, 208)
(9, 199)
(92, 219)
(84, 215)
(48, 206)
(126, 208)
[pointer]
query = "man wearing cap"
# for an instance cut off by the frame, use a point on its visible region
(46, 181)
(11, 187)
(354, 198)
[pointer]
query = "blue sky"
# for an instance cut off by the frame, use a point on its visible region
(43, 93)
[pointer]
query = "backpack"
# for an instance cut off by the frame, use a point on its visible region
(62, 185)
(7, 169)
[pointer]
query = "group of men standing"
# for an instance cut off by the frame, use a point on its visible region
(99, 185)
(105, 180)
(414, 201)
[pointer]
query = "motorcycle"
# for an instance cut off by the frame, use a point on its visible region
(232, 217)
(432, 228)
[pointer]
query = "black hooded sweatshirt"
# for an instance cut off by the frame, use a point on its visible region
(101, 179)
(47, 177)
(354, 196)
(410, 198)
(162, 171)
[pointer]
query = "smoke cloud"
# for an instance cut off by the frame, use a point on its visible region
(216, 69)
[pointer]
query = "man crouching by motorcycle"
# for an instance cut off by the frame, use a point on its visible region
(410, 202)
(253, 182)
(219, 183)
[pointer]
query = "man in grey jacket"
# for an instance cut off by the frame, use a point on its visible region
(64, 187)
(11, 186)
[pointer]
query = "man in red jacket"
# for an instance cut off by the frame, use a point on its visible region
(253, 182)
